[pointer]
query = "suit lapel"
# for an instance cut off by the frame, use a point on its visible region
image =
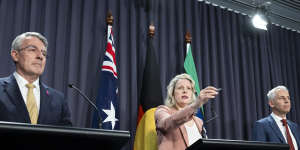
(184, 134)
(12, 89)
(44, 102)
(276, 129)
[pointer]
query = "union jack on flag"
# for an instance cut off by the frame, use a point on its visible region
(107, 99)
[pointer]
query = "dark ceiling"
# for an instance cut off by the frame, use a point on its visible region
(290, 3)
(285, 13)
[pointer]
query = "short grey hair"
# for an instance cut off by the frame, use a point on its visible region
(17, 42)
(272, 93)
(170, 100)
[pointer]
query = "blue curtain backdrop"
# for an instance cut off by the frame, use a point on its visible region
(228, 54)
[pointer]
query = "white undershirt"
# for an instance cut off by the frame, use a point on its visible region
(192, 133)
(282, 129)
(24, 90)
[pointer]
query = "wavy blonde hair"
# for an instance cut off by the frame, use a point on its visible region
(170, 100)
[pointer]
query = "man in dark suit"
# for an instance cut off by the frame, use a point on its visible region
(274, 127)
(23, 97)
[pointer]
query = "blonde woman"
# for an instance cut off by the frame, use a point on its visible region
(176, 124)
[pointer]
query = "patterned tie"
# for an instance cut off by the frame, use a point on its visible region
(288, 136)
(31, 104)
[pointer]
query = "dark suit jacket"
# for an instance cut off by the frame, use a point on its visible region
(54, 109)
(266, 130)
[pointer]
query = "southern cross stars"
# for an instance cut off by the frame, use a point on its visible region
(111, 115)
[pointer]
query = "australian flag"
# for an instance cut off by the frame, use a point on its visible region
(107, 99)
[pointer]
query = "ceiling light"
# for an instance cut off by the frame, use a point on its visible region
(259, 21)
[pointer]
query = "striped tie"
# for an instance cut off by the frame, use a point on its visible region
(31, 104)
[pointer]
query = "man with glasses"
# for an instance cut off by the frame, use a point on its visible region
(276, 128)
(23, 97)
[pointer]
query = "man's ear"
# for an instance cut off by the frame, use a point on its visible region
(271, 103)
(14, 55)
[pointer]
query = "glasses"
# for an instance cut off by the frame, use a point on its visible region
(33, 49)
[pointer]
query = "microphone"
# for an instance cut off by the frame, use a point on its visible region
(213, 118)
(89, 101)
(213, 110)
(203, 132)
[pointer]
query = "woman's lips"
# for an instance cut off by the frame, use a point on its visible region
(184, 97)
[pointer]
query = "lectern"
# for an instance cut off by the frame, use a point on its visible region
(221, 144)
(26, 136)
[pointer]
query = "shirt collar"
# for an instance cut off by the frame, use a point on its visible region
(277, 118)
(22, 81)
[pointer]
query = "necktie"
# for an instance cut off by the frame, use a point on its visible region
(288, 136)
(31, 104)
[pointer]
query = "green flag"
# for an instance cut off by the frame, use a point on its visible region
(190, 68)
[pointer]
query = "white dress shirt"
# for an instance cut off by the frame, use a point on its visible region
(192, 133)
(282, 129)
(24, 90)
